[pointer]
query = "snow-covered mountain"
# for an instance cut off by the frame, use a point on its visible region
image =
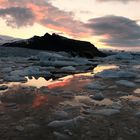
(6, 39)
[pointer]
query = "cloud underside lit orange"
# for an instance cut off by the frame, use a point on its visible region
(43, 13)
(107, 30)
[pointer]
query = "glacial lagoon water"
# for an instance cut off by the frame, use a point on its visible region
(67, 80)
(63, 81)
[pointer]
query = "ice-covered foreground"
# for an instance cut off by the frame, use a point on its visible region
(45, 95)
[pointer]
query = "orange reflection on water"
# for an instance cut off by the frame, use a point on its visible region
(101, 68)
(39, 100)
(70, 81)
(47, 101)
(58, 84)
(40, 82)
(61, 82)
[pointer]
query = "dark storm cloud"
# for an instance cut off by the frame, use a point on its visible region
(17, 16)
(116, 30)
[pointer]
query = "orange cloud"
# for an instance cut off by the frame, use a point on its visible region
(3, 3)
(40, 12)
(47, 15)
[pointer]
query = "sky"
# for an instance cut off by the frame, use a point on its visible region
(105, 23)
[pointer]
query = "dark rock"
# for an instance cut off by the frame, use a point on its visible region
(97, 96)
(32, 126)
(19, 128)
(104, 112)
(58, 43)
(11, 105)
(66, 124)
(137, 114)
(60, 115)
(61, 136)
(111, 132)
(2, 113)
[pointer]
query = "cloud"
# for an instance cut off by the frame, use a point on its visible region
(62, 21)
(116, 30)
(124, 1)
(17, 16)
(27, 12)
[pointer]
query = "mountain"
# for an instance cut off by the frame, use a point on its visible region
(55, 42)
(5, 39)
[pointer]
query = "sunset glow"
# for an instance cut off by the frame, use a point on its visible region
(97, 21)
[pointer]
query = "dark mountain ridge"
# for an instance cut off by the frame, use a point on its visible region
(56, 42)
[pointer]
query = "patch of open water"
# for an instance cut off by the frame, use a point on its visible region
(61, 82)
(72, 83)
